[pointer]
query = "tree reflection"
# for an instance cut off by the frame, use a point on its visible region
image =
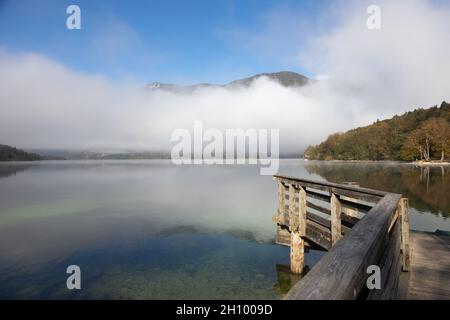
(7, 169)
(426, 187)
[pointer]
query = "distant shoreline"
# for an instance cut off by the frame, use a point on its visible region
(431, 163)
(418, 163)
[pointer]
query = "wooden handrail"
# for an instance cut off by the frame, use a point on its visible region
(341, 273)
(327, 186)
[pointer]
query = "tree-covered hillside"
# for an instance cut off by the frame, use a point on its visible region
(420, 134)
(8, 153)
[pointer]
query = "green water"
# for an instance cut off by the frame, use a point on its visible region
(152, 230)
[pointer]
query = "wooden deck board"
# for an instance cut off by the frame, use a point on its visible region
(429, 277)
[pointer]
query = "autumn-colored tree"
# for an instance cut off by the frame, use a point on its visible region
(419, 134)
(431, 138)
(439, 130)
(412, 148)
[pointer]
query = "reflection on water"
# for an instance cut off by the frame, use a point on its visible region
(8, 169)
(152, 230)
(286, 279)
(427, 188)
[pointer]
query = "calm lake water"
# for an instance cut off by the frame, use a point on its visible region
(152, 230)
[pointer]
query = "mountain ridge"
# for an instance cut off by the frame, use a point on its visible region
(284, 78)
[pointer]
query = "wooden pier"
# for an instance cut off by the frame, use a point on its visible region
(359, 227)
(429, 278)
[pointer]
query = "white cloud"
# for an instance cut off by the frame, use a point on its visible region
(47, 105)
(401, 66)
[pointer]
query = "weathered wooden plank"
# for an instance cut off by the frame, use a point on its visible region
(393, 220)
(281, 203)
(351, 204)
(403, 285)
(355, 195)
(328, 186)
(319, 220)
(346, 223)
(318, 195)
(349, 221)
(364, 196)
(325, 222)
(389, 265)
(429, 273)
(318, 208)
(318, 234)
(392, 286)
(361, 207)
(346, 220)
(350, 211)
(404, 215)
(336, 232)
(297, 253)
(302, 211)
(293, 209)
(340, 273)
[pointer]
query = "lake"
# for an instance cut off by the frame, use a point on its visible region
(153, 230)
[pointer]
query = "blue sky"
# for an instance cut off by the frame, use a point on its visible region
(171, 41)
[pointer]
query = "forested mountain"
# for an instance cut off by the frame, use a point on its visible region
(8, 153)
(285, 78)
(423, 134)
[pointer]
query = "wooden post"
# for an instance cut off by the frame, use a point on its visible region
(281, 203)
(297, 242)
(297, 253)
(293, 208)
(335, 219)
(302, 212)
(404, 216)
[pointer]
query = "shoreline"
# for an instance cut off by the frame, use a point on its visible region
(431, 163)
(418, 163)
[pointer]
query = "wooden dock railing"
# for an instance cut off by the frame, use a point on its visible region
(359, 227)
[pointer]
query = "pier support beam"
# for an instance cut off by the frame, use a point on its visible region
(293, 208)
(404, 216)
(281, 204)
(297, 253)
(297, 223)
(302, 212)
(335, 219)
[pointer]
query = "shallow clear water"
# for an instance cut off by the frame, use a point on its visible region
(152, 230)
